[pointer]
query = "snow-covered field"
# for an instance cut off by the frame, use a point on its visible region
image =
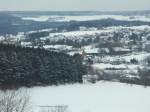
(62, 47)
(120, 66)
(142, 27)
(78, 34)
(138, 56)
(86, 18)
(81, 33)
(99, 97)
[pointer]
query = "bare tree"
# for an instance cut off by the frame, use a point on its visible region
(14, 101)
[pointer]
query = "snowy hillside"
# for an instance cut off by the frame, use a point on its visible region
(115, 47)
(86, 18)
(98, 97)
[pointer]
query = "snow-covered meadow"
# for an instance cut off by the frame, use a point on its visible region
(86, 18)
(98, 97)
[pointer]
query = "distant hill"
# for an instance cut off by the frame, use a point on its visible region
(11, 22)
(77, 13)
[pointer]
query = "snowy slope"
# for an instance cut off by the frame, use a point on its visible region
(86, 18)
(119, 66)
(99, 97)
(138, 56)
(80, 33)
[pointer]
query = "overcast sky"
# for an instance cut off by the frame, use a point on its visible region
(75, 5)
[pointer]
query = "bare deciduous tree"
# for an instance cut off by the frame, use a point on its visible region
(14, 101)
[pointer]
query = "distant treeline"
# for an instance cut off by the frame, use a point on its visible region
(31, 67)
(78, 13)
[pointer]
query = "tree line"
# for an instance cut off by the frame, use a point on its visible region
(20, 66)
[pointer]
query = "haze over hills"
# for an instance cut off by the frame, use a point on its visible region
(133, 12)
(23, 21)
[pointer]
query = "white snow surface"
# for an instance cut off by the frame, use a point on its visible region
(58, 47)
(138, 56)
(141, 27)
(121, 66)
(39, 18)
(90, 49)
(98, 97)
(85, 18)
(80, 33)
(77, 34)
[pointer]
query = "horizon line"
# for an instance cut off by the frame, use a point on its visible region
(73, 10)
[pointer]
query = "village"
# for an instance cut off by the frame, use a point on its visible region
(112, 53)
